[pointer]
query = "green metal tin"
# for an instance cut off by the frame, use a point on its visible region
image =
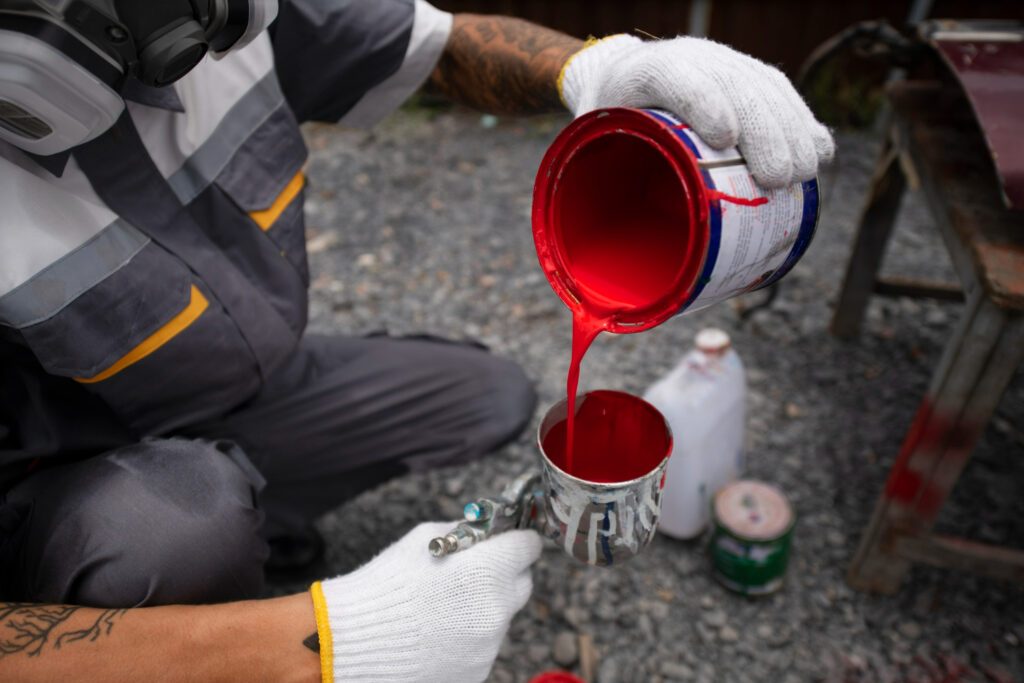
(753, 529)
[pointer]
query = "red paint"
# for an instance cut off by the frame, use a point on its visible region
(733, 199)
(619, 437)
(555, 677)
(936, 442)
(584, 330)
(623, 226)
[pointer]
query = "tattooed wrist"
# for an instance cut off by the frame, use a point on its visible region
(503, 65)
(33, 629)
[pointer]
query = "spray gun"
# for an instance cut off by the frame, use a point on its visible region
(518, 506)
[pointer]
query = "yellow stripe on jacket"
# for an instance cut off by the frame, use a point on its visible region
(196, 305)
(267, 217)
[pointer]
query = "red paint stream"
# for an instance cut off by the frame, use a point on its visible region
(620, 235)
(620, 269)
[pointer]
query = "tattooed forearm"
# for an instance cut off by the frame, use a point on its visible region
(503, 65)
(31, 629)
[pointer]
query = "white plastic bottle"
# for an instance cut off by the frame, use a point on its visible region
(704, 400)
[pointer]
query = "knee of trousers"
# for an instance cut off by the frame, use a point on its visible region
(161, 522)
(511, 398)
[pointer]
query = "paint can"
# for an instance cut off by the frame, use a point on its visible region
(631, 207)
(753, 528)
(603, 523)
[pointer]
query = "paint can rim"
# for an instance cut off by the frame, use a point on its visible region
(659, 134)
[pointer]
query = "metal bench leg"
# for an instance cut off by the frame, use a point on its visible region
(978, 363)
(876, 222)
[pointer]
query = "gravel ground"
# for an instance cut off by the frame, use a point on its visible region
(423, 226)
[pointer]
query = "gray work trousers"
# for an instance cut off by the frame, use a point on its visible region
(184, 519)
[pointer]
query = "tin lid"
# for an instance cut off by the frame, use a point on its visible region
(712, 340)
(620, 217)
(753, 510)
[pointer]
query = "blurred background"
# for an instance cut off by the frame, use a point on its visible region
(780, 32)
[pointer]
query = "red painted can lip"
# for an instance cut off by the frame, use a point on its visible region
(659, 135)
(556, 677)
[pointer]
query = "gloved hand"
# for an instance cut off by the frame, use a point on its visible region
(407, 616)
(728, 98)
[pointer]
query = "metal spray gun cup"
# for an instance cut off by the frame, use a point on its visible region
(604, 523)
(596, 522)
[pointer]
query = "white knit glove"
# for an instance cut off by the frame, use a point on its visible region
(407, 616)
(727, 97)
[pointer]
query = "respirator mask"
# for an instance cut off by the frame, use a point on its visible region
(63, 62)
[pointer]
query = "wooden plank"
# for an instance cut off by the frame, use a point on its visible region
(961, 186)
(875, 226)
(961, 554)
(918, 289)
(983, 400)
(910, 502)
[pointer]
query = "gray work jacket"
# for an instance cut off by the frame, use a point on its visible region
(155, 277)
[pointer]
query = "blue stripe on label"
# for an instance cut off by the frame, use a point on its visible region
(606, 525)
(714, 243)
(715, 213)
(803, 239)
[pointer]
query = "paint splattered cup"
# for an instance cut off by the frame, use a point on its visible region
(606, 511)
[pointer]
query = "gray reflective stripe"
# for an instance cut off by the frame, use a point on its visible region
(430, 30)
(47, 292)
(236, 127)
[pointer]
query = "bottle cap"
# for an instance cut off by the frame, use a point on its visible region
(713, 340)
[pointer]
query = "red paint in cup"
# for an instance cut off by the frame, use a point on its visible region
(619, 438)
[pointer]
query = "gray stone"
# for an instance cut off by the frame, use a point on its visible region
(782, 635)
(728, 634)
(538, 653)
(716, 618)
(564, 649)
(676, 670)
(500, 674)
(645, 626)
(606, 610)
(936, 317)
(910, 630)
(705, 634)
(658, 610)
(609, 671)
(577, 616)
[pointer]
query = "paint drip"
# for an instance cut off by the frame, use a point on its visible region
(617, 272)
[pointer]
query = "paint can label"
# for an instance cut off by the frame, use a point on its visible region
(750, 246)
